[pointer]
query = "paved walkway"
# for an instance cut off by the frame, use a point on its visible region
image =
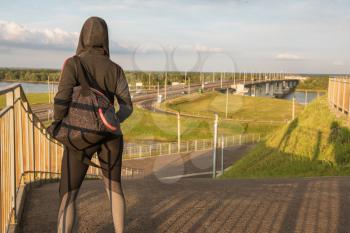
(202, 204)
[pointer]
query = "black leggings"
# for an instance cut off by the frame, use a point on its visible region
(73, 170)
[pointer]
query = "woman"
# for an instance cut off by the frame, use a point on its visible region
(93, 50)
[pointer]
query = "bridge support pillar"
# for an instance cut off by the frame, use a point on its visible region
(272, 88)
(257, 92)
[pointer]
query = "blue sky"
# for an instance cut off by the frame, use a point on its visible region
(299, 36)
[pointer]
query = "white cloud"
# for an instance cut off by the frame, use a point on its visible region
(13, 34)
(288, 56)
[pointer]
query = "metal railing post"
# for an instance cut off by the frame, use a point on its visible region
(222, 155)
(18, 126)
(348, 98)
(44, 155)
(12, 150)
(49, 155)
(33, 147)
(338, 96)
(27, 138)
(56, 159)
(333, 92)
(39, 153)
(344, 90)
(215, 144)
(178, 133)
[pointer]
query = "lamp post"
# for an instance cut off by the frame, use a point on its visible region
(215, 144)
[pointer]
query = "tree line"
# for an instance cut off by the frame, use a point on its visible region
(152, 77)
(32, 75)
(314, 83)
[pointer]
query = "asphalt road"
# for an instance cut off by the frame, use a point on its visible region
(45, 110)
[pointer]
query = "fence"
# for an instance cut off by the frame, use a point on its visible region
(159, 149)
(27, 154)
(339, 94)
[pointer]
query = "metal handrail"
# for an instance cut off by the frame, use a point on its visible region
(339, 94)
(27, 153)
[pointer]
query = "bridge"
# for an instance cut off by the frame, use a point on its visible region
(158, 198)
(274, 88)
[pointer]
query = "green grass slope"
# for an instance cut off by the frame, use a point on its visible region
(147, 125)
(314, 144)
(239, 107)
(33, 98)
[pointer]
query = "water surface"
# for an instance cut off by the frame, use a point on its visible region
(29, 87)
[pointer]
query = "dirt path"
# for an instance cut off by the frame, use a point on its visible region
(202, 204)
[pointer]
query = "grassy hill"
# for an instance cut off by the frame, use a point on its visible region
(147, 125)
(239, 107)
(314, 144)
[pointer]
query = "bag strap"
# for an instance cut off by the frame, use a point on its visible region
(82, 75)
(85, 78)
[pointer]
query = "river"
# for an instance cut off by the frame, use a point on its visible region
(300, 96)
(29, 87)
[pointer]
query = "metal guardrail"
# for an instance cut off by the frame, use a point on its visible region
(160, 149)
(339, 94)
(27, 153)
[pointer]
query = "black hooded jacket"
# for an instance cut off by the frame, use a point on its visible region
(93, 50)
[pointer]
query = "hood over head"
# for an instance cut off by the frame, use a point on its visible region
(94, 37)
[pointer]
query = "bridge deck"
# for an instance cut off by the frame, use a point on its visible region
(202, 204)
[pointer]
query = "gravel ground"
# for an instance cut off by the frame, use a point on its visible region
(201, 204)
